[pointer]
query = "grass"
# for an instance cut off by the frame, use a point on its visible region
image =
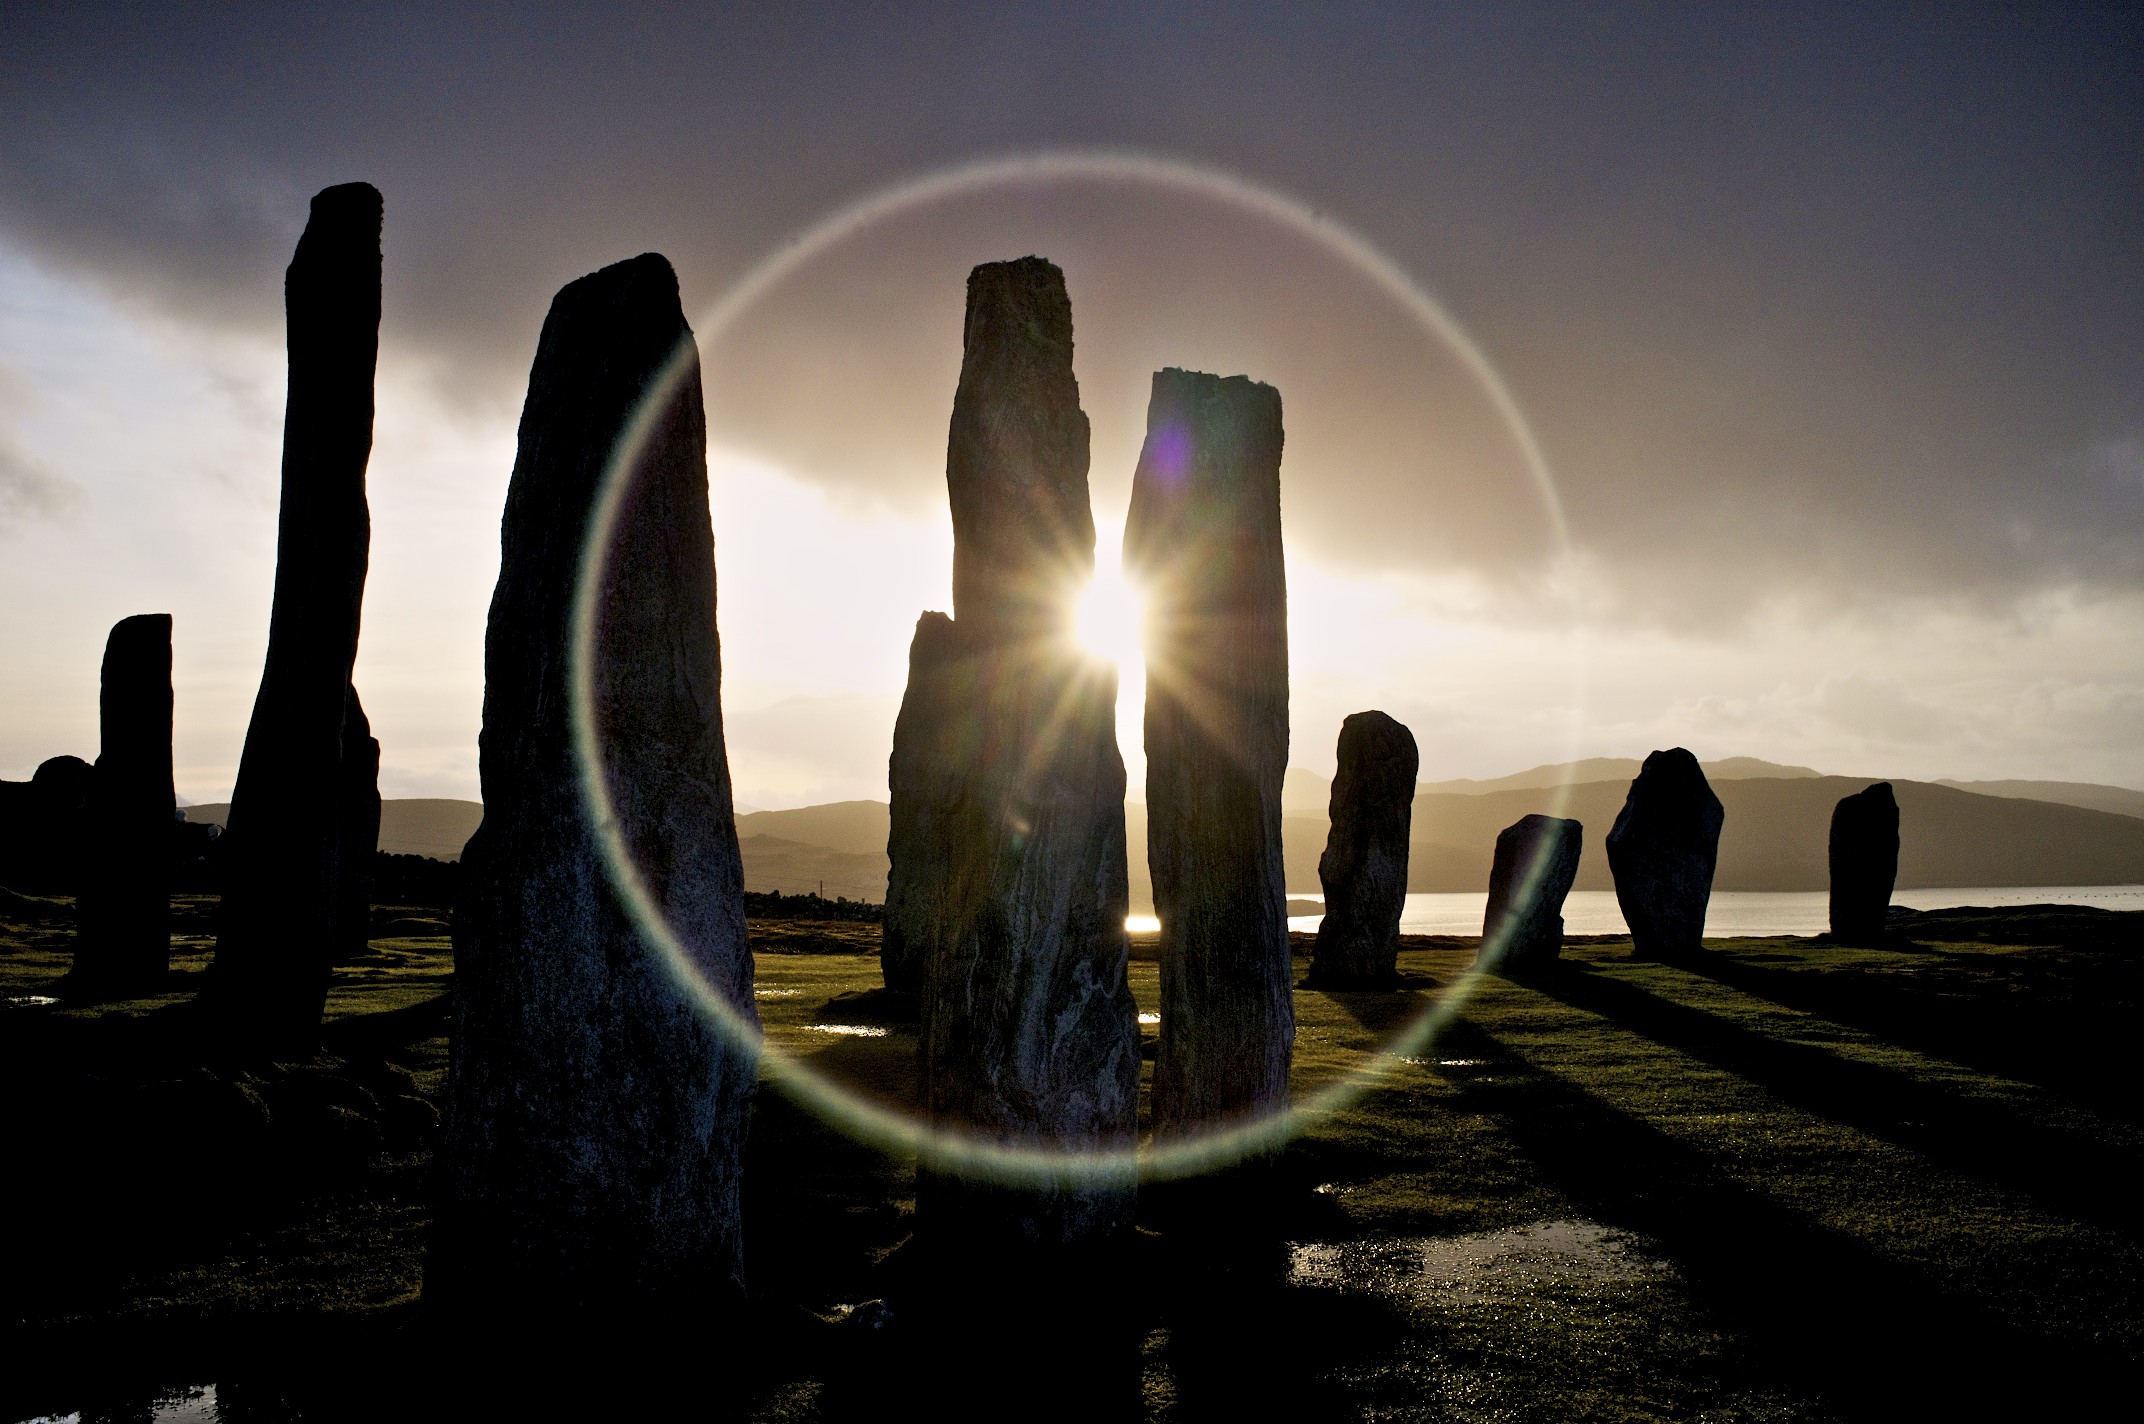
(1787, 1181)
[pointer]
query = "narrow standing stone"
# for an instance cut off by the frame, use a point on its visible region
(1203, 539)
(923, 779)
(1364, 868)
(1662, 851)
(1536, 861)
(595, 1112)
(1864, 863)
(1030, 1033)
(359, 832)
(283, 855)
(124, 940)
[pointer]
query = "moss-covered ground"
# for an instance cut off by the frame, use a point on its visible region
(1788, 1180)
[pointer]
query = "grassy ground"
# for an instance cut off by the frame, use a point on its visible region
(1787, 1181)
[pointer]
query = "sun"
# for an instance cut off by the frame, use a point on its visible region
(1105, 621)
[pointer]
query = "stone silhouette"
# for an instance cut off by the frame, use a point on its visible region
(923, 779)
(1030, 1033)
(1536, 861)
(1364, 868)
(42, 825)
(284, 848)
(594, 1116)
(1203, 540)
(123, 946)
(358, 832)
(1864, 863)
(1662, 851)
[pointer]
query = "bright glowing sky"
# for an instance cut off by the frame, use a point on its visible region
(1836, 371)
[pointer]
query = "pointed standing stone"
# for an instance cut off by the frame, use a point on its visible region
(1662, 851)
(1864, 863)
(1203, 540)
(1364, 868)
(124, 942)
(359, 833)
(1536, 861)
(594, 1115)
(1030, 1033)
(283, 854)
(923, 779)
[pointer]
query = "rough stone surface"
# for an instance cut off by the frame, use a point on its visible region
(1364, 868)
(283, 850)
(1030, 1033)
(1662, 851)
(594, 1114)
(1864, 863)
(359, 832)
(1203, 540)
(124, 941)
(923, 779)
(1536, 861)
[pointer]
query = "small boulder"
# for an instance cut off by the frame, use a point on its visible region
(1536, 861)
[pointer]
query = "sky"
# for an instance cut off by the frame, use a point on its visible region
(1823, 321)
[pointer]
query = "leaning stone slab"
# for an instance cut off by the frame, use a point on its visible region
(1864, 863)
(1203, 540)
(124, 942)
(1662, 850)
(923, 780)
(1364, 868)
(1536, 862)
(595, 1114)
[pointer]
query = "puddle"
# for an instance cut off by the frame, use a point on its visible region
(1150, 1018)
(1485, 1268)
(851, 1030)
(775, 993)
(188, 1404)
(34, 1000)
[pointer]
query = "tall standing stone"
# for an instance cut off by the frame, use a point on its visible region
(923, 779)
(284, 848)
(1030, 1033)
(1662, 851)
(359, 832)
(1536, 862)
(595, 1114)
(1203, 540)
(124, 942)
(1364, 868)
(1864, 863)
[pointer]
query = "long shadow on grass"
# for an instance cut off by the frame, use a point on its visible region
(2066, 1172)
(1873, 1337)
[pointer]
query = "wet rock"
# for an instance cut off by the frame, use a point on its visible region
(1536, 861)
(923, 779)
(123, 947)
(1364, 868)
(1203, 539)
(594, 1110)
(282, 855)
(358, 832)
(1029, 1028)
(1662, 851)
(1864, 863)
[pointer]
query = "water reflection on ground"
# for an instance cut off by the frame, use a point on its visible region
(183, 1404)
(1484, 1268)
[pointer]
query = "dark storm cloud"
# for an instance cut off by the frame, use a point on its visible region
(1798, 300)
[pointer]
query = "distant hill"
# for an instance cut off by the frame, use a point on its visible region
(2118, 799)
(434, 827)
(794, 867)
(1621, 769)
(855, 826)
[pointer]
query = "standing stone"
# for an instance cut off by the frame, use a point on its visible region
(284, 849)
(1864, 863)
(1662, 851)
(1364, 868)
(360, 833)
(43, 823)
(124, 941)
(588, 1170)
(1536, 861)
(1030, 1032)
(1203, 540)
(923, 779)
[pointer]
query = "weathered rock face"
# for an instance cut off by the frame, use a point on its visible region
(124, 943)
(358, 833)
(1536, 861)
(1030, 1033)
(1364, 868)
(1662, 851)
(594, 1115)
(923, 780)
(283, 855)
(1864, 863)
(1203, 539)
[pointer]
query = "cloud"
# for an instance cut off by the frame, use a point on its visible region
(30, 490)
